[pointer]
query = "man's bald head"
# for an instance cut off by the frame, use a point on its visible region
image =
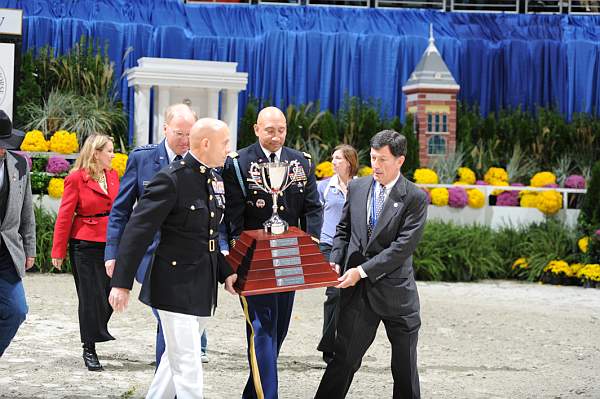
(209, 141)
(271, 128)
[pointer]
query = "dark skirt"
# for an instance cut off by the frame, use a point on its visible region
(93, 287)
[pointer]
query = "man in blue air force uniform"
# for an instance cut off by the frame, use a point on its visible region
(248, 207)
(143, 163)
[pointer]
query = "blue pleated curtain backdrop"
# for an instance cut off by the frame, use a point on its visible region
(302, 54)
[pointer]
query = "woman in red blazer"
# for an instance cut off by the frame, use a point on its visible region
(90, 189)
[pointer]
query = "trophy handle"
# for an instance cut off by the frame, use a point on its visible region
(256, 170)
(293, 165)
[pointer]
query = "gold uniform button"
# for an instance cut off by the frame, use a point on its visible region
(281, 208)
(173, 263)
(255, 192)
(212, 214)
(210, 231)
(210, 197)
(192, 207)
(183, 163)
(208, 181)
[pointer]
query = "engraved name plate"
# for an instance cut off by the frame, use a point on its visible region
(288, 271)
(282, 282)
(283, 242)
(285, 252)
(287, 261)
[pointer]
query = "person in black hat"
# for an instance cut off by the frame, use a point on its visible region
(17, 231)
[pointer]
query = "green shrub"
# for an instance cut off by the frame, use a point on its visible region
(44, 232)
(545, 242)
(457, 253)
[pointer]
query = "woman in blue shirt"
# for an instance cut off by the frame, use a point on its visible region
(332, 193)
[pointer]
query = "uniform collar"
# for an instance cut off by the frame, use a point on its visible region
(170, 153)
(268, 153)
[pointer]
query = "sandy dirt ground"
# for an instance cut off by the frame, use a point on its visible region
(493, 339)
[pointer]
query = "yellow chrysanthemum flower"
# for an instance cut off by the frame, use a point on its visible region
(558, 267)
(324, 170)
(590, 271)
(475, 198)
(542, 179)
(583, 244)
(439, 196)
(64, 142)
(466, 175)
(118, 163)
(34, 141)
(528, 199)
(56, 187)
(425, 176)
(495, 175)
(576, 267)
(520, 263)
(549, 202)
(365, 171)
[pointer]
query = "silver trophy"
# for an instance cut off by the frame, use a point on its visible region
(273, 178)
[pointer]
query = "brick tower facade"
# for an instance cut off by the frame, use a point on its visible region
(431, 98)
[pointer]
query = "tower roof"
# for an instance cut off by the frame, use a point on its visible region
(431, 71)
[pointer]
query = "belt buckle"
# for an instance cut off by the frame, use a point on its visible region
(211, 245)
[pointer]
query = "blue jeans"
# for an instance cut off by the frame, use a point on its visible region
(13, 309)
(160, 340)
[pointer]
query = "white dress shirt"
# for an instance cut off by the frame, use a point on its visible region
(268, 153)
(378, 187)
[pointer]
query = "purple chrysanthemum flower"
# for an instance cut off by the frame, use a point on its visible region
(457, 197)
(508, 198)
(575, 181)
(57, 165)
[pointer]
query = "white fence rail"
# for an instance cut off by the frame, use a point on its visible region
(500, 216)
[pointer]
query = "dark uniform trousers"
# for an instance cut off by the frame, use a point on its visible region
(268, 316)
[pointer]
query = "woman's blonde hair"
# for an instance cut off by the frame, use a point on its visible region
(87, 156)
(350, 155)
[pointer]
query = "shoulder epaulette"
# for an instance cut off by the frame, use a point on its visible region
(233, 154)
(145, 147)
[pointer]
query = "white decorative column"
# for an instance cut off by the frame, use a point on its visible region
(212, 110)
(198, 83)
(162, 100)
(229, 108)
(142, 114)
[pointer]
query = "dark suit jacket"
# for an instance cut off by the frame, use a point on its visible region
(183, 203)
(299, 203)
(143, 163)
(386, 257)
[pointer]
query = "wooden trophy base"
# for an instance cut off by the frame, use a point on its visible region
(268, 263)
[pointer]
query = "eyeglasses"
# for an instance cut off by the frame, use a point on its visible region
(179, 133)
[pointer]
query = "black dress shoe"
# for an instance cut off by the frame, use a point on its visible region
(90, 358)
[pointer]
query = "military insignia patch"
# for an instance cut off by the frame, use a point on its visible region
(218, 187)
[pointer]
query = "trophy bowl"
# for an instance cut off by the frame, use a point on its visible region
(273, 178)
